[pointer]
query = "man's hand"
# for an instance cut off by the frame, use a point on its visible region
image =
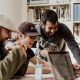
(77, 69)
(76, 66)
(44, 53)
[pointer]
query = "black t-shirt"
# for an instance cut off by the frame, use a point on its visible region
(22, 70)
(3, 52)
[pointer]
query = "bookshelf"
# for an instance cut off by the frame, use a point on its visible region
(68, 12)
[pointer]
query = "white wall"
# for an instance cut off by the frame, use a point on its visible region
(24, 10)
(14, 9)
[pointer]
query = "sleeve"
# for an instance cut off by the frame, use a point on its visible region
(11, 63)
(72, 44)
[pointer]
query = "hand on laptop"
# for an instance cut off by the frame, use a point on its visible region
(43, 53)
(76, 66)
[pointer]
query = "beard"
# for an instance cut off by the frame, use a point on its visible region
(9, 37)
(4, 39)
(1, 39)
(50, 34)
(29, 46)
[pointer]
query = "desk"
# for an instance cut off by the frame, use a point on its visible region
(31, 77)
(44, 77)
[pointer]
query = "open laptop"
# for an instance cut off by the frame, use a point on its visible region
(61, 65)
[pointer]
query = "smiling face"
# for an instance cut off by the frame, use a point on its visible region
(29, 39)
(50, 28)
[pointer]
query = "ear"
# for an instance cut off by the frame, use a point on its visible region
(20, 35)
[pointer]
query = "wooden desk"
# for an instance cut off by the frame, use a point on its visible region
(31, 77)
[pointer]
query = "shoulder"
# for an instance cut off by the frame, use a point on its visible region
(63, 27)
(64, 31)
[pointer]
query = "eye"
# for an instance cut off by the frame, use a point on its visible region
(33, 37)
(50, 28)
(55, 27)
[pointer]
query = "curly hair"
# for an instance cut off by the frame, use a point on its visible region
(49, 15)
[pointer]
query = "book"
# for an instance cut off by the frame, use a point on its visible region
(76, 12)
(31, 16)
(39, 1)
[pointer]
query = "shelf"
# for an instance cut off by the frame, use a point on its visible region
(76, 2)
(68, 13)
(68, 23)
(65, 22)
(37, 22)
(76, 21)
(47, 5)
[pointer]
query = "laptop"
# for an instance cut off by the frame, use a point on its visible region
(61, 65)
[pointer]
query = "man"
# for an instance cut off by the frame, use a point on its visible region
(52, 31)
(28, 31)
(9, 61)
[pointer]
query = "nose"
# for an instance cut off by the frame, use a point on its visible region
(52, 30)
(9, 32)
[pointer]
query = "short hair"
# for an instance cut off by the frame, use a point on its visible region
(49, 15)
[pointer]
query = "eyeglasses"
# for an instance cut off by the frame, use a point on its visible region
(32, 37)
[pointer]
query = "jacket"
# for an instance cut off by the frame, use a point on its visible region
(11, 63)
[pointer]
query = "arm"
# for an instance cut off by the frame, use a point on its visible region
(72, 44)
(31, 70)
(11, 63)
(34, 61)
(45, 68)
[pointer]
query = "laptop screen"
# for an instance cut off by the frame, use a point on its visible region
(61, 65)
